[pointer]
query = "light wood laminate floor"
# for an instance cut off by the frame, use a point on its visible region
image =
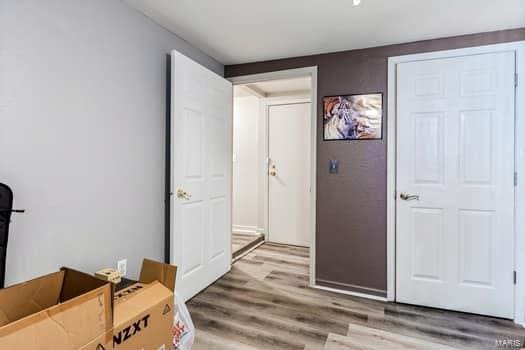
(265, 303)
(243, 242)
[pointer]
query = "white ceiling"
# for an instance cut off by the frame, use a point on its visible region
(240, 31)
(274, 88)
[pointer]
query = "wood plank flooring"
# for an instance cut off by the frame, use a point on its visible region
(244, 242)
(265, 303)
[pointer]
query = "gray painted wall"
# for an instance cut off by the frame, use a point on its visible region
(82, 108)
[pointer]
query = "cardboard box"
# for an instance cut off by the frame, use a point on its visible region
(143, 312)
(66, 310)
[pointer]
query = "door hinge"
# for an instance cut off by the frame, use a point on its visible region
(515, 277)
(515, 79)
(515, 179)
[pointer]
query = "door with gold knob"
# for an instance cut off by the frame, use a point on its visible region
(201, 116)
(289, 173)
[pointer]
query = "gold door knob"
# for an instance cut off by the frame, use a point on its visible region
(183, 194)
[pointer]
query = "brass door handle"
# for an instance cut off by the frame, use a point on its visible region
(183, 194)
(408, 197)
(273, 170)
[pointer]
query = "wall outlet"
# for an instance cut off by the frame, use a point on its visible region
(122, 267)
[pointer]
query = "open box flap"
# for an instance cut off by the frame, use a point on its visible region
(77, 283)
(156, 271)
(27, 298)
(65, 310)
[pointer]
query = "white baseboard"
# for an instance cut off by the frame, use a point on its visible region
(346, 292)
(245, 230)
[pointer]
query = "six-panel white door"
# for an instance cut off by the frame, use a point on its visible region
(201, 118)
(455, 150)
(289, 173)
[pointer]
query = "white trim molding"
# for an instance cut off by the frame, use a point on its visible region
(288, 74)
(245, 230)
(347, 292)
(519, 240)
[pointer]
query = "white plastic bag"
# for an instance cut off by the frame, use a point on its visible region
(183, 328)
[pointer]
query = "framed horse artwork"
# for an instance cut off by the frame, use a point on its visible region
(353, 117)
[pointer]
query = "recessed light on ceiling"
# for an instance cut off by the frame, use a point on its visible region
(357, 2)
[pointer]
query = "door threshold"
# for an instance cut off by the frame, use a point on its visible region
(248, 249)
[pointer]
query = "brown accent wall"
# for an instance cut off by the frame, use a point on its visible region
(351, 206)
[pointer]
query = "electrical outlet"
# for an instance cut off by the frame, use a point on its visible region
(122, 267)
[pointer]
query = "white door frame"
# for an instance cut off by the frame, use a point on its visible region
(519, 227)
(289, 74)
(266, 104)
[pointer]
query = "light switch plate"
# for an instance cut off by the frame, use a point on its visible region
(122, 267)
(333, 166)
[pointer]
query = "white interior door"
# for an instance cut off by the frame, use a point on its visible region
(289, 173)
(201, 114)
(455, 150)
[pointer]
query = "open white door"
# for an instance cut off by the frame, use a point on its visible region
(201, 124)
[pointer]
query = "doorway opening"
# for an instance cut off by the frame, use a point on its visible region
(272, 162)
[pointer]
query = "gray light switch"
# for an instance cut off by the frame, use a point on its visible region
(333, 166)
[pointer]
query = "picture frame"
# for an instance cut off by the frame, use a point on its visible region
(353, 117)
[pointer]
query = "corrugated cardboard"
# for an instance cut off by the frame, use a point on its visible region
(156, 271)
(66, 310)
(143, 313)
